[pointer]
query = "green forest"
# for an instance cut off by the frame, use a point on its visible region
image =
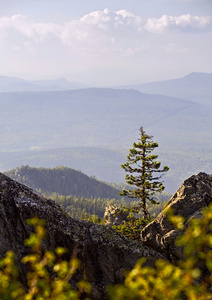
(81, 196)
(64, 181)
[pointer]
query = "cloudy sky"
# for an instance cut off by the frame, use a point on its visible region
(108, 42)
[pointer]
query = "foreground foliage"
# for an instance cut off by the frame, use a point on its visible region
(48, 276)
(190, 279)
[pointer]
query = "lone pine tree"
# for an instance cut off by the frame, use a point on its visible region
(143, 169)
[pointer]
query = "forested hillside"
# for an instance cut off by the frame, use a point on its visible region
(64, 181)
(81, 196)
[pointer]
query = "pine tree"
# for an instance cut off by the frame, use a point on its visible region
(142, 169)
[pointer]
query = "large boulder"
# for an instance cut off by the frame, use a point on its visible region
(104, 254)
(194, 194)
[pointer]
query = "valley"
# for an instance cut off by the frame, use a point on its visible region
(92, 129)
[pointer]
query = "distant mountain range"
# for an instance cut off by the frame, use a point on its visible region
(106, 118)
(92, 129)
(195, 86)
(13, 84)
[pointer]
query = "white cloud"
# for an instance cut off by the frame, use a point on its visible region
(93, 27)
(98, 26)
(98, 31)
(184, 22)
(25, 26)
(123, 17)
(172, 48)
(100, 19)
(100, 39)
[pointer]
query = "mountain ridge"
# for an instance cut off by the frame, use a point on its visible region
(103, 119)
(15, 84)
(195, 86)
(64, 181)
(178, 87)
(101, 110)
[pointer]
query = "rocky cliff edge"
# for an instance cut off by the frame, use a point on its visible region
(104, 254)
(194, 194)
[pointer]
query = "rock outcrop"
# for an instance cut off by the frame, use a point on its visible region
(114, 216)
(194, 194)
(104, 254)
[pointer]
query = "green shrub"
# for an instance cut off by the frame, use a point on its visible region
(132, 226)
(48, 276)
(190, 279)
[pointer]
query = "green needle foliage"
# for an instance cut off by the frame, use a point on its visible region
(142, 168)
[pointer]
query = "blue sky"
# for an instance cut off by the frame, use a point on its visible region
(105, 42)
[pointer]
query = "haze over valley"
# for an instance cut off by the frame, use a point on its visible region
(105, 149)
(92, 129)
(78, 80)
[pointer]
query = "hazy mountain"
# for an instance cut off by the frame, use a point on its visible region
(195, 86)
(60, 84)
(13, 84)
(105, 118)
(4, 81)
(104, 164)
(64, 181)
(103, 124)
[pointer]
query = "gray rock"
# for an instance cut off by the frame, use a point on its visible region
(105, 255)
(194, 194)
(114, 216)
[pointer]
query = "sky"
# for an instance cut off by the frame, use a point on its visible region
(105, 43)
